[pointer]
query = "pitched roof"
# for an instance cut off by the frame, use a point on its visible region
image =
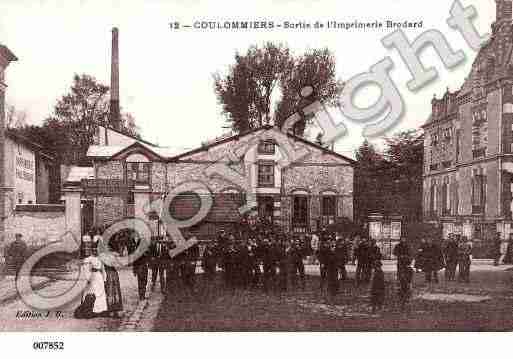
(97, 151)
(267, 127)
(175, 154)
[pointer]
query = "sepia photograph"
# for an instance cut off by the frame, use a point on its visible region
(275, 166)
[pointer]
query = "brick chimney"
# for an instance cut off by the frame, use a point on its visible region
(6, 57)
(114, 116)
(503, 10)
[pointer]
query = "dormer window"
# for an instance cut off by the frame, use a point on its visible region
(139, 172)
(266, 147)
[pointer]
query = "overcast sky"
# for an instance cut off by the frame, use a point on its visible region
(166, 75)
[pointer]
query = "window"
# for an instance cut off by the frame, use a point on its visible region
(446, 199)
(434, 139)
(479, 152)
(300, 210)
(329, 206)
(266, 147)
(432, 200)
(139, 172)
(266, 174)
(478, 193)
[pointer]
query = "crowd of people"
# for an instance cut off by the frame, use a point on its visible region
(258, 257)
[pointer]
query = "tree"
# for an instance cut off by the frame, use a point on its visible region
(405, 150)
(390, 182)
(367, 182)
(316, 68)
(71, 129)
(246, 93)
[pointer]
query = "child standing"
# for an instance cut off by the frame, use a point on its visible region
(377, 287)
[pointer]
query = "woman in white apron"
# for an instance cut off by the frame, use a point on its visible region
(96, 284)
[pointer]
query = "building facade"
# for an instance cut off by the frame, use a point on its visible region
(27, 170)
(468, 145)
(309, 192)
(6, 57)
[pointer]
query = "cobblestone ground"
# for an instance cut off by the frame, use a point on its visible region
(9, 308)
(484, 304)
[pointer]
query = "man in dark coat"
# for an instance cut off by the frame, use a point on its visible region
(282, 250)
(464, 253)
(331, 264)
(377, 287)
(269, 263)
(322, 257)
(190, 259)
(297, 266)
(451, 257)
(402, 252)
(209, 261)
(373, 257)
(158, 264)
(361, 253)
(342, 254)
(140, 269)
(405, 277)
(433, 260)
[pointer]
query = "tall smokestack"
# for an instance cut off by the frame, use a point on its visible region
(503, 10)
(115, 118)
(6, 57)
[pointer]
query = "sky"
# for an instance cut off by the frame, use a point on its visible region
(166, 76)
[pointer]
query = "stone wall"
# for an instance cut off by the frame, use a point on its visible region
(39, 224)
(109, 170)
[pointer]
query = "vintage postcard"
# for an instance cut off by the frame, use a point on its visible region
(270, 166)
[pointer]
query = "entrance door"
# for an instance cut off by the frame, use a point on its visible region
(300, 214)
(266, 208)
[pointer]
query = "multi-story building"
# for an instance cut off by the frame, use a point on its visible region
(468, 145)
(128, 173)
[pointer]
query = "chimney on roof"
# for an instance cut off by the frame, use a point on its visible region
(503, 10)
(114, 116)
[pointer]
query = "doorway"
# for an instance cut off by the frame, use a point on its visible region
(266, 208)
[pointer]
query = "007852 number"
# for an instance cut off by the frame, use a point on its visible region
(48, 345)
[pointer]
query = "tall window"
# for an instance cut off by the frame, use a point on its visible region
(266, 174)
(139, 172)
(266, 147)
(300, 211)
(478, 193)
(446, 198)
(432, 199)
(329, 206)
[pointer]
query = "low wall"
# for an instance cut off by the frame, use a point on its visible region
(39, 224)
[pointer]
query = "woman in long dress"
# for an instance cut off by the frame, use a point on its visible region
(112, 284)
(96, 283)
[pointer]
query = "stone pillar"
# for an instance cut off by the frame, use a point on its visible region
(142, 208)
(73, 212)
